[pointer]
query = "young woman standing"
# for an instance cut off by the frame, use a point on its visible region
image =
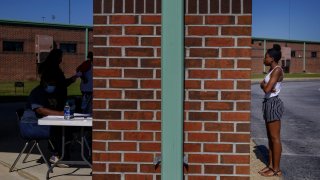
(272, 108)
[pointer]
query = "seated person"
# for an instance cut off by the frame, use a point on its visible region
(43, 101)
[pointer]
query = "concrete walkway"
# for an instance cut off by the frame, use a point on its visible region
(31, 170)
(11, 145)
(34, 171)
(256, 163)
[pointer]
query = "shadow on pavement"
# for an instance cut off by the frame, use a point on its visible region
(10, 140)
(261, 153)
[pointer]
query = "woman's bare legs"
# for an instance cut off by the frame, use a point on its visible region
(275, 148)
(270, 148)
(269, 163)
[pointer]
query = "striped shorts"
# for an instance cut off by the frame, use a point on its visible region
(272, 109)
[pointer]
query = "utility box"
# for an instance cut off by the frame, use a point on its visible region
(43, 45)
(286, 58)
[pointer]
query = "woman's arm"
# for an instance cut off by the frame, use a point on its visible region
(262, 84)
(274, 77)
(70, 80)
(45, 112)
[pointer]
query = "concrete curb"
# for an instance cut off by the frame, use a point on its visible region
(256, 81)
(35, 171)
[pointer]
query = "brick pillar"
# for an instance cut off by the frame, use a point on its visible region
(127, 99)
(127, 89)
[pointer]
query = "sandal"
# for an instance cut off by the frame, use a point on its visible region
(271, 173)
(265, 169)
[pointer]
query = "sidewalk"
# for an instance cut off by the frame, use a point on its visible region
(4, 173)
(256, 164)
(11, 145)
(35, 171)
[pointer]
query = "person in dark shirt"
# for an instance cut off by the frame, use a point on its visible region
(46, 100)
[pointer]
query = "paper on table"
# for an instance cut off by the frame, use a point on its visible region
(55, 117)
(81, 115)
(77, 116)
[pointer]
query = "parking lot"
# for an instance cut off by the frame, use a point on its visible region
(300, 128)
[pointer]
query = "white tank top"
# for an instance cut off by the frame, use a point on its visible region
(277, 86)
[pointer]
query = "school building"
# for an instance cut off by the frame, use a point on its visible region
(297, 56)
(172, 83)
(23, 45)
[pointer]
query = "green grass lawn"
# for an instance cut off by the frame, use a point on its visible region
(8, 89)
(293, 75)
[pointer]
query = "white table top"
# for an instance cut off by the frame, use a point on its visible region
(78, 120)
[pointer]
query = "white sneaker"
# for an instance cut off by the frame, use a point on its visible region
(53, 159)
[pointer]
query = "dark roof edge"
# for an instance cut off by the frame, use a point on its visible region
(284, 40)
(39, 24)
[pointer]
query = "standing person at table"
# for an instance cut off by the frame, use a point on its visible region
(272, 110)
(52, 64)
(51, 67)
(45, 100)
(84, 71)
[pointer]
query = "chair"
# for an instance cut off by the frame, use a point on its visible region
(32, 141)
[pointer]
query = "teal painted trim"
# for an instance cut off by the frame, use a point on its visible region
(172, 82)
(86, 43)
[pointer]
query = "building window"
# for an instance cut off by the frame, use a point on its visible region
(313, 54)
(293, 53)
(68, 47)
(16, 46)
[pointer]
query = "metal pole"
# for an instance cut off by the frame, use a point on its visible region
(264, 53)
(69, 10)
(172, 83)
(289, 17)
(304, 56)
(86, 43)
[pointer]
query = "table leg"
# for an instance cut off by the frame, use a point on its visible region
(62, 154)
(63, 151)
(82, 148)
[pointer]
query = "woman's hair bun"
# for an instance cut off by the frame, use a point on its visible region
(277, 47)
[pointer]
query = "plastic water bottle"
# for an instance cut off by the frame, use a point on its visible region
(67, 113)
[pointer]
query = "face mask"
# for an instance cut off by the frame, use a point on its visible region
(50, 89)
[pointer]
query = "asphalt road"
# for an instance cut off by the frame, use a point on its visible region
(300, 132)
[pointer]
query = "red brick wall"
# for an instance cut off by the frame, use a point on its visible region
(296, 64)
(21, 66)
(127, 89)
